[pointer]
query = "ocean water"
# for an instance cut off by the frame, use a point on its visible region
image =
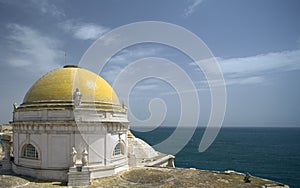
(271, 153)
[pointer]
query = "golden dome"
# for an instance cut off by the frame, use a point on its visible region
(59, 85)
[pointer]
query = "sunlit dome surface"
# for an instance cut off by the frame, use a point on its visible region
(59, 86)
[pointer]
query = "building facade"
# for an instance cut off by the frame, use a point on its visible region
(66, 113)
(71, 127)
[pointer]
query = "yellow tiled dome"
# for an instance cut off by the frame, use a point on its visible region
(59, 85)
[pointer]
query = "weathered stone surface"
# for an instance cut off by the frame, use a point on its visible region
(156, 177)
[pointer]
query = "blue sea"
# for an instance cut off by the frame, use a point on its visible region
(271, 153)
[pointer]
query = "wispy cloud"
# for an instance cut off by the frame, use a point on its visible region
(192, 7)
(255, 69)
(33, 50)
(133, 54)
(262, 63)
(45, 7)
(125, 57)
(148, 85)
(83, 31)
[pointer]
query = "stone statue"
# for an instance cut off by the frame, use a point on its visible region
(15, 107)
(124, 106)
(77, 97)
(74, 155)
(6, 146)
(84, 157)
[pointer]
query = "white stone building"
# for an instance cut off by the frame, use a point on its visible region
(71, 127)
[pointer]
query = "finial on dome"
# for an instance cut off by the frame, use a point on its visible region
(71, 66)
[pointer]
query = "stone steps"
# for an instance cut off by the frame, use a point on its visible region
(78, 178)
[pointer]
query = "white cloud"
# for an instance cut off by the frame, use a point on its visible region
(192, 7)
(33, 51)
(83, 31)
(148, 85)
(47, 8)
(134, 54)
(255, 69)
(17, 62)
(120, 61)
(243, 81)
(260, 64)
(237, 71)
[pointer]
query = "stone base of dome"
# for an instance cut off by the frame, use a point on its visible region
(74, 176)
(42, 174)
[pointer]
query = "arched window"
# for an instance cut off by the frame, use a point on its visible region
(29, 151)
(119, 149)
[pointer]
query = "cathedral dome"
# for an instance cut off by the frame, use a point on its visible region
(58, 86)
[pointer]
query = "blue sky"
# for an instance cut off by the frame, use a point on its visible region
(256, 43)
